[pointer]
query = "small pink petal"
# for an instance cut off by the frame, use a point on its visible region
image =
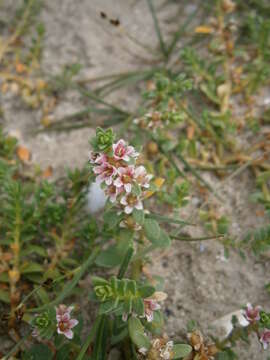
(139, 206)
(127, 188)
(128, 209)
(73, 322)
(149, 316)
(65, 317)
(123, 201)
(68, 334)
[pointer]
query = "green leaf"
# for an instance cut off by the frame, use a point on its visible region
(125, 263)
(63, 353)
(138, 306)
(28, 268)
(36, 278)
(111, 219)
(38, 352)
(100, 345)
(128, 305)
(164, 240)
(136, 190)
(146, 291)
(51, 274)
(43, 295)
(181, 350)
(34, 249)
(106, 307)
(136, 333)
(89, 338)
(97, 281)
(67, 289)
(131, 287)
(122, 286)
(4, 277)
(114, 255)
(138, 216)
(111, 257)
(152, 230)
(4, 296)
(168, 219)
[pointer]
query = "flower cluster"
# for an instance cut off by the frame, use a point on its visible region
(154, 120)
(201, 349)
(161, 349)
(64, 321)
(123, 182)
(254, 315)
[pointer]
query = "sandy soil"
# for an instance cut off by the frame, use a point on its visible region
(200, 283)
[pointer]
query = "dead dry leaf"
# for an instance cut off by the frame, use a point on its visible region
(190, 132)
(203, 29)
(20, 68)
(23, 153)
(47, 172)
(158, 182)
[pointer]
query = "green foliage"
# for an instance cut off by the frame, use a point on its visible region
(258, 240)
(103, 140)
(181, 350)
(49, 242)
(45, 323)
(167, 88)
(136, 332)
(121, 296)
(38, 352)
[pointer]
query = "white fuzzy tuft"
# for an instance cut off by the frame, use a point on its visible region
(96, 198)
(224, 324)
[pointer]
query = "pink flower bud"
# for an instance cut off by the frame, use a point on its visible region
(265, 338)
(252, 314)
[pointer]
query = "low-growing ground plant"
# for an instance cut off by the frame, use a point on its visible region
(128, 301)
(193, 117)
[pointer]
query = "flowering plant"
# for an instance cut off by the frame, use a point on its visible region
(115, 169)
(130, 303)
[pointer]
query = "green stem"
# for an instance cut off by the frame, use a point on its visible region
(187, 238)
(236, 334)
(89, 338)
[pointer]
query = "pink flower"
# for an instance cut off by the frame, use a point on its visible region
(130, 202)
(252, 314)
(141, 177)
(265, 338)
(64, 321)
(125, 178)
(150, 305)
(121, 151)
(112, 192)
(105, 172)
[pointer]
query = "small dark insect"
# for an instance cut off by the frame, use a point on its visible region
(114, 22)
(48, 283)
(103, 15)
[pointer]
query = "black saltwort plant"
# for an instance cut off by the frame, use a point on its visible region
(129, 302)
(35, 214)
